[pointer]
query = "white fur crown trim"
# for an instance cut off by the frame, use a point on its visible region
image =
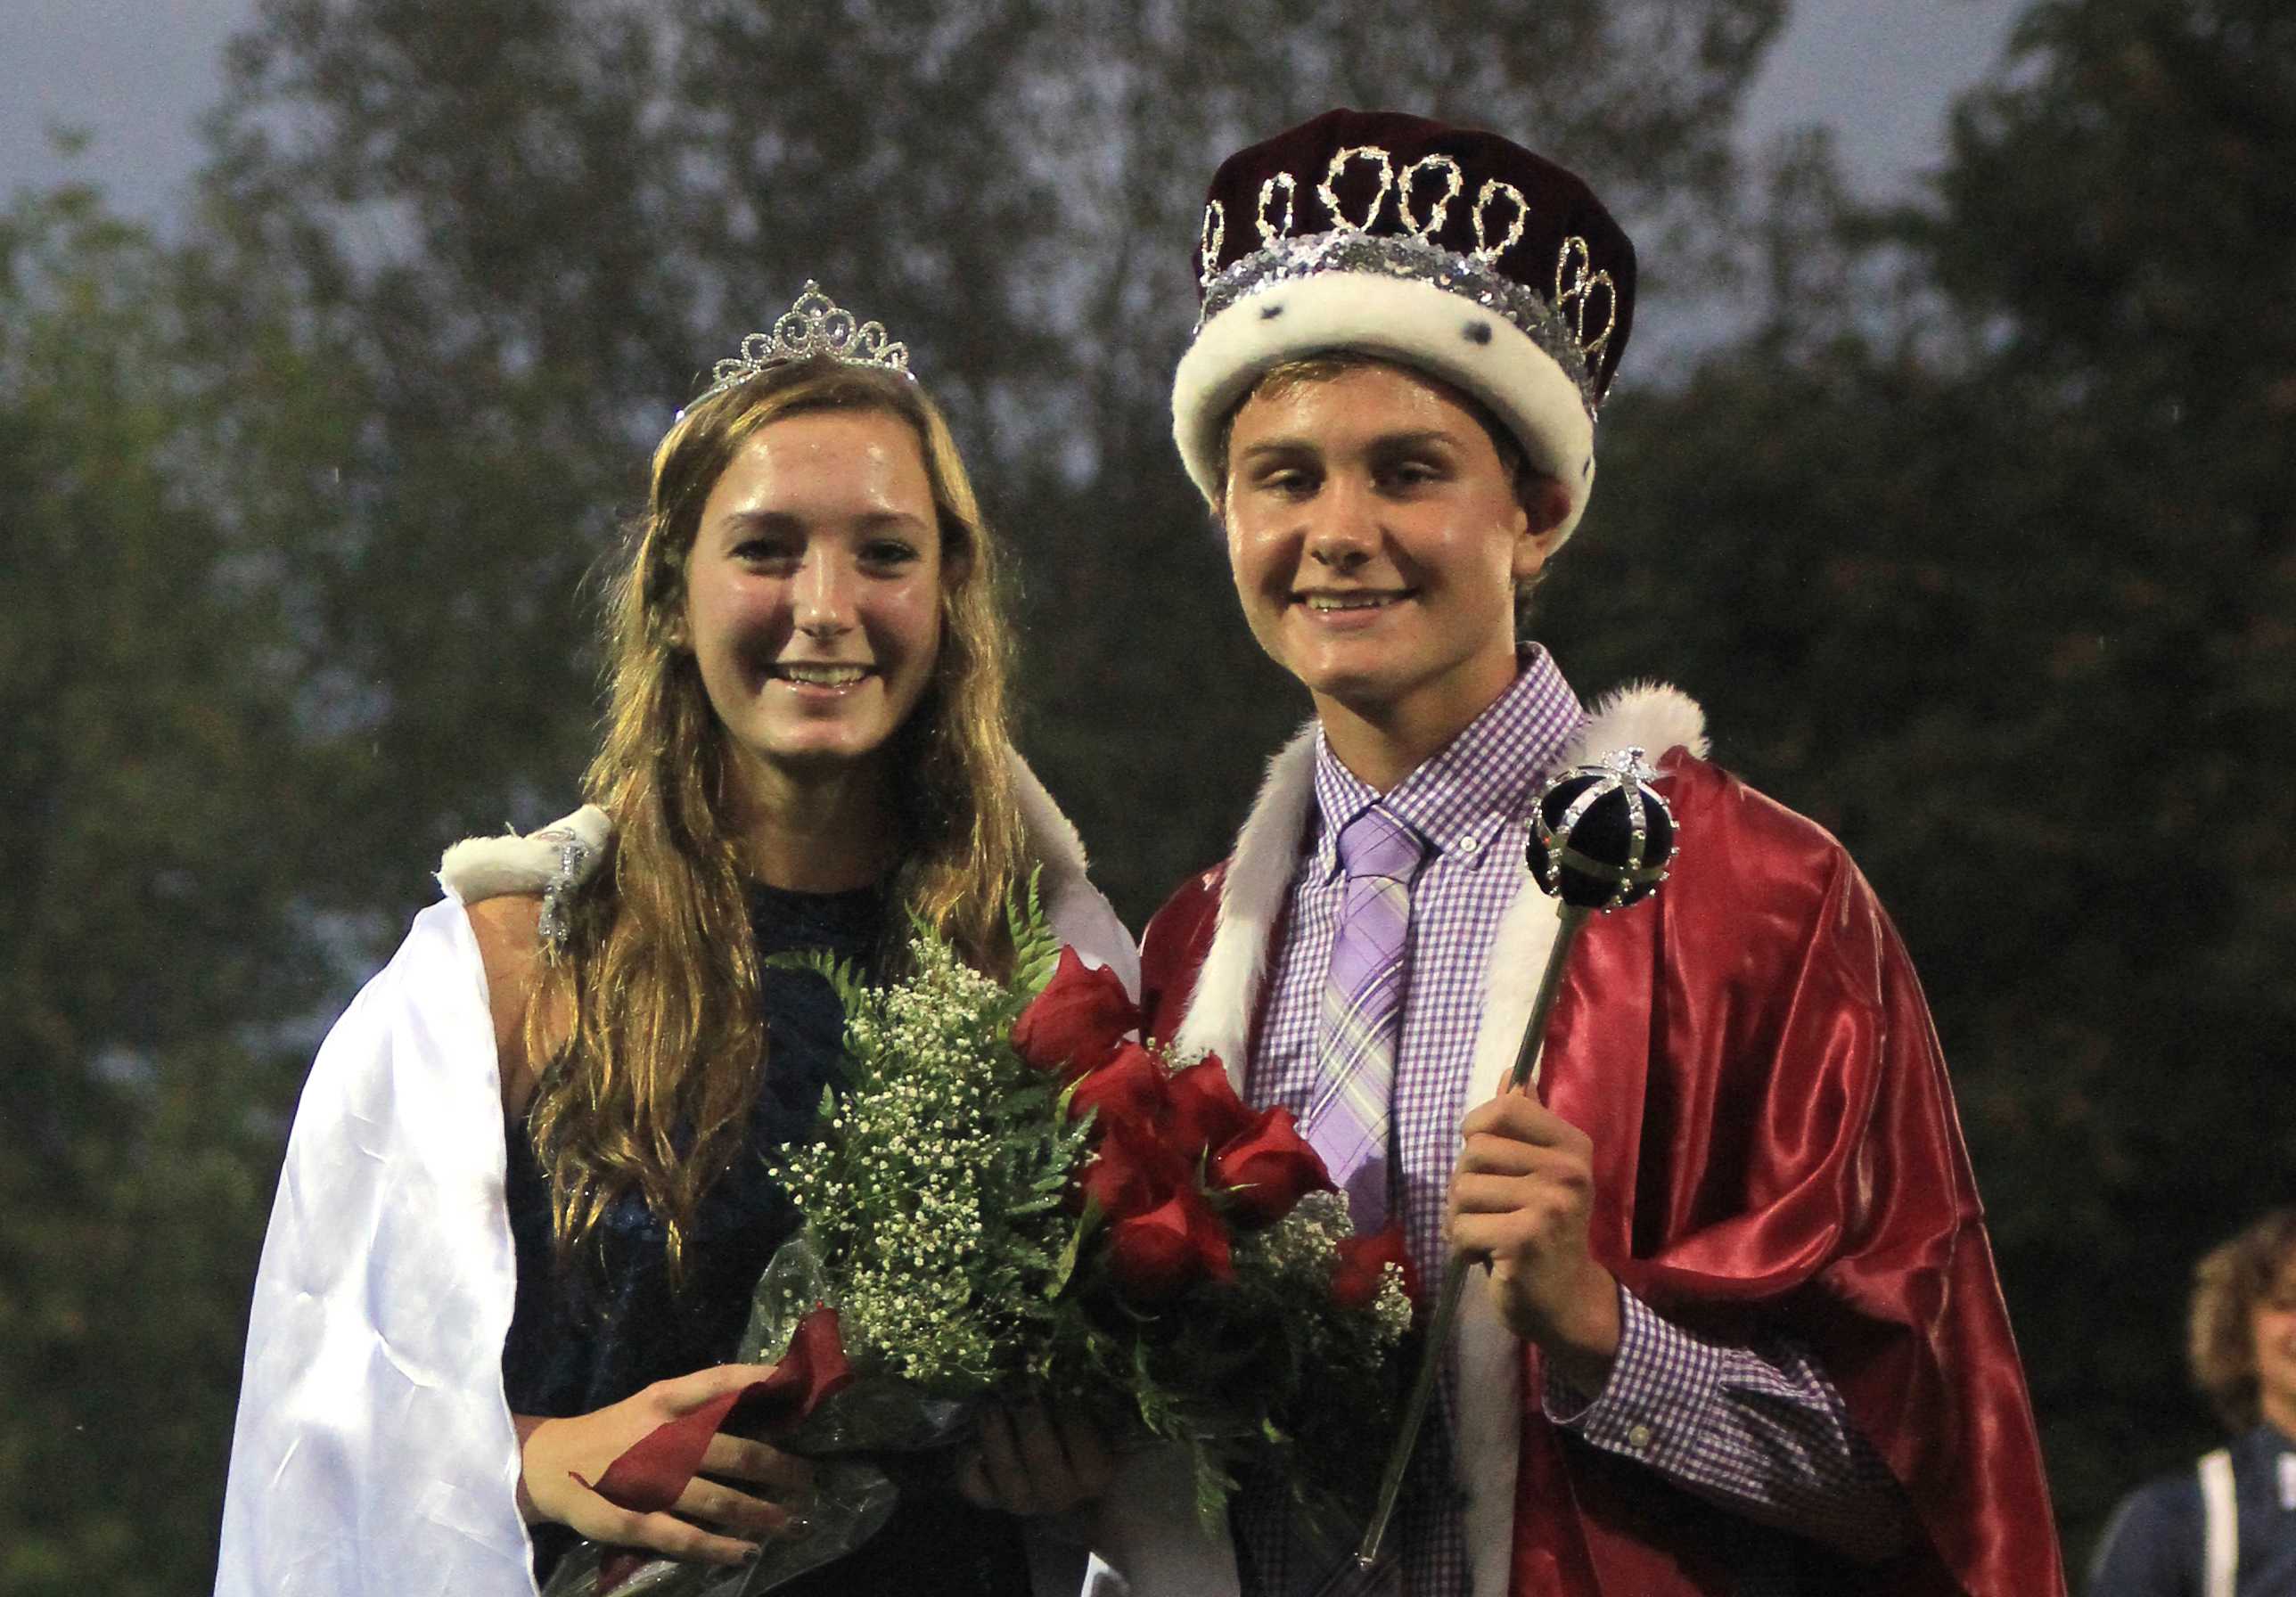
(1416, 324)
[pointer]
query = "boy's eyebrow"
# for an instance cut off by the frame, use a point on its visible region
(1385, 440)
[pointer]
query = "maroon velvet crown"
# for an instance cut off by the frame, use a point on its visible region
(1559, 208)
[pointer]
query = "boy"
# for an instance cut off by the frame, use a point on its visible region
(1740, 1332)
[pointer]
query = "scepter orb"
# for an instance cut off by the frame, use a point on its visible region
(1602, 836)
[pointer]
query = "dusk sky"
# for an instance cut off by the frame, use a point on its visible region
(136, 73)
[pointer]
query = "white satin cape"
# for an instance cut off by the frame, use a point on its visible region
(373, 1452)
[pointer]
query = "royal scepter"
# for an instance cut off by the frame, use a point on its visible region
(1602, 837)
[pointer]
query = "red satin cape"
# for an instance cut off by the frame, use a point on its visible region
(1775, 1144)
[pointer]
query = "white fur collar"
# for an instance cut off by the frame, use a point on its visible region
(1649, 716)
(489, 867)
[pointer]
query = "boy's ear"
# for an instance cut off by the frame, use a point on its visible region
(1545, 507)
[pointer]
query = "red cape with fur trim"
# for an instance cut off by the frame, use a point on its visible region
(1775, 1144)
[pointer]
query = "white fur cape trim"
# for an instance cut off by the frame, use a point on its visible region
(477, 869)
(1649, 716)
(480, 868)
(1414, 324)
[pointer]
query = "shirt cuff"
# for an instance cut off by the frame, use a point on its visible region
(1661, 1375)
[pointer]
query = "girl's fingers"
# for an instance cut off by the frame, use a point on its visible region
(667, 1535)
(737, 1458)
(1044, 1462)
(685, 1392)
(999, 1454)
(1091, 1461)
(722, 1506)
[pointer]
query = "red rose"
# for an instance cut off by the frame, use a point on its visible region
(1078, 1022)
(1364, 1261)
(1130, 1090)
(1206, 1112)
(1132, 1173)
(1267, 1169)
(1172, 1246)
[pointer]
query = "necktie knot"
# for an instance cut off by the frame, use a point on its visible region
(1379, 843)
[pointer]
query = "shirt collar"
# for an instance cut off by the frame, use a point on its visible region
(1469, 790)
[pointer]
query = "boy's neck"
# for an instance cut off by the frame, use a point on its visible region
(1382, 744)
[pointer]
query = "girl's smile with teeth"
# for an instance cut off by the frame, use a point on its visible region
(819, 674)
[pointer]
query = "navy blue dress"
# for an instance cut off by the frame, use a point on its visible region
(593, 1333)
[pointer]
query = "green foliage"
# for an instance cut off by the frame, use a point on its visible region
(1036, 950)
(152, 968)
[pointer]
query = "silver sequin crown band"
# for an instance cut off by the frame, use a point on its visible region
(815, 327)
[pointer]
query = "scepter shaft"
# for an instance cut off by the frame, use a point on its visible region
(1568, 921)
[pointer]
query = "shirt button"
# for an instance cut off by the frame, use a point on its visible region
(1469, 844)
(1639, 1435)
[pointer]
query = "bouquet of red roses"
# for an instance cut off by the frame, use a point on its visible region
(1016, 1196)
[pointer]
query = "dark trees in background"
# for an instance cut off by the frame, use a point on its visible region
(1975, 547)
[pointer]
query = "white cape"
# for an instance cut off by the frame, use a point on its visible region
(373, 1452)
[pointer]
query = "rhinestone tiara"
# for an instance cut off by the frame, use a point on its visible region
(814, 327)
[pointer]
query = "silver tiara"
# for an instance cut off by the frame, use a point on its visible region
(814, 327)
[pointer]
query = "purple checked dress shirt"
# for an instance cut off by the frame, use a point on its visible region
(1759, 1430)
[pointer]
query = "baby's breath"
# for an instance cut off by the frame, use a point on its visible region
(924, 1194)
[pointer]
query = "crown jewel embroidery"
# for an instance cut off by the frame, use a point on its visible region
(814, 327)
(1585, 301)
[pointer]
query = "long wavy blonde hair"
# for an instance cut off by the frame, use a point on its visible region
(651, 1089)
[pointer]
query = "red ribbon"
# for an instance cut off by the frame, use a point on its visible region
(655, 1471)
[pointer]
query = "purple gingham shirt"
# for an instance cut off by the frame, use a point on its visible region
(1759, 1430)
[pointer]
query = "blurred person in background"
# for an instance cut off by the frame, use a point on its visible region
(2226, 1525)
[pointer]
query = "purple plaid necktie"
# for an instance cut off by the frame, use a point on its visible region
(1363, 1010)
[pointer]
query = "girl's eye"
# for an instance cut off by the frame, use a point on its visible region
(764, 550)
(889, 553)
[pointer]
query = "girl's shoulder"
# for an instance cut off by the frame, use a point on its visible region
(510, 888)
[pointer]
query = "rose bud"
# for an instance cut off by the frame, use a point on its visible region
(1206, 1112)
(1362, 1264)
(1130, 1090)
(1176, 1244)
(1131, 1174)
(1267, 1169)
(1078, 1022)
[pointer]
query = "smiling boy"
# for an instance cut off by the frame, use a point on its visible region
(1740, 1330)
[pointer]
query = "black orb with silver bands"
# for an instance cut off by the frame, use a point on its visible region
(1602, 835)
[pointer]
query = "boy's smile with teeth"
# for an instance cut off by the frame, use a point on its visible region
(1354, 600)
